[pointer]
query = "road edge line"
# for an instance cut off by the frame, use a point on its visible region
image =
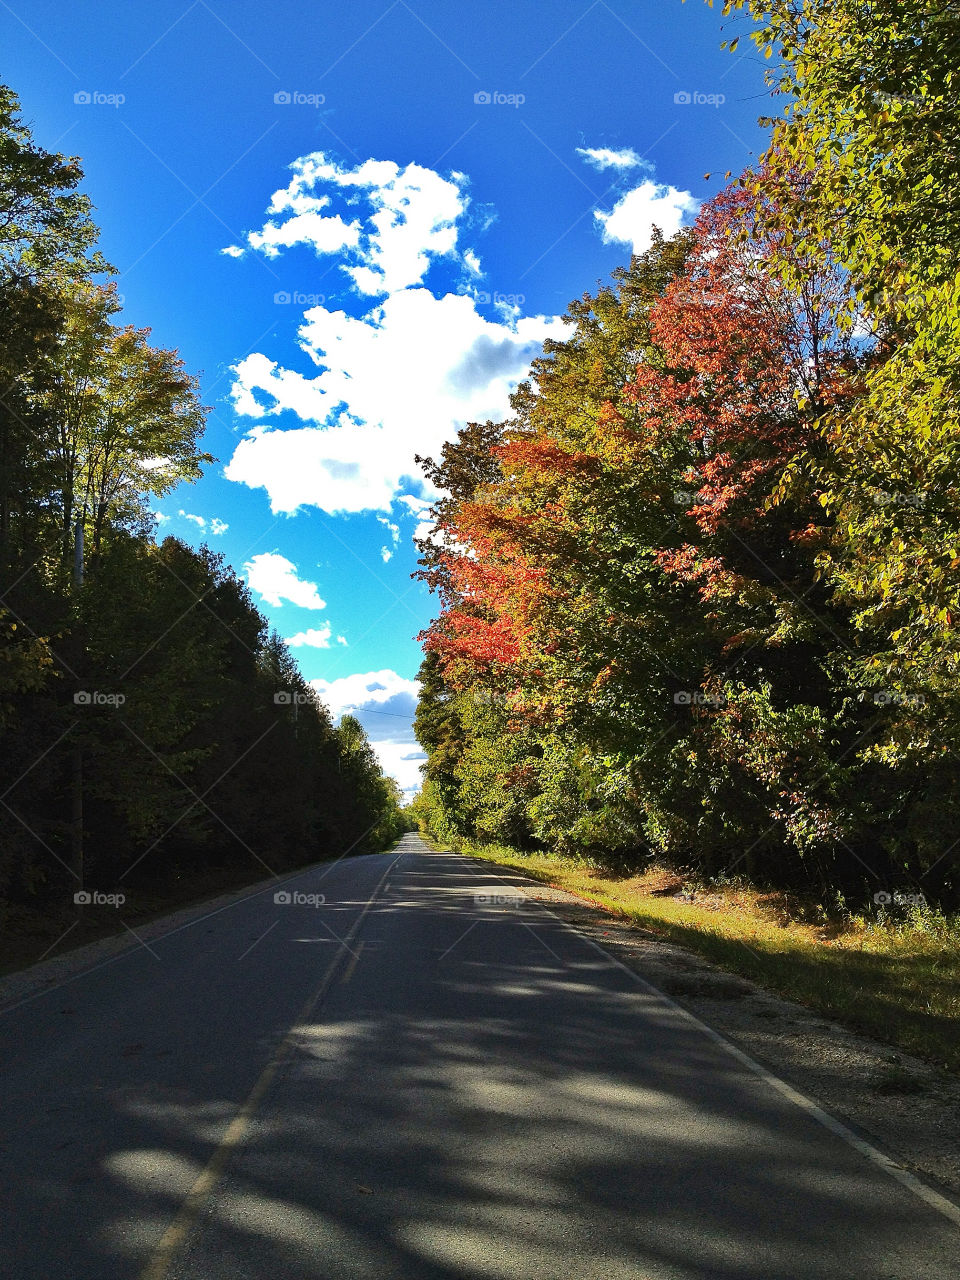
(933, 1199)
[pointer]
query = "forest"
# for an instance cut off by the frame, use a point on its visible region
(699, 593)
(154, 734)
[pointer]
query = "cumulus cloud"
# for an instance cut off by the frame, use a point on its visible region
(315, 638)
(411, 218)
(604, 158)
(635, 214)
(275, 579)
(399, 380)
(401, 760)
(385, 704)
(382, 691)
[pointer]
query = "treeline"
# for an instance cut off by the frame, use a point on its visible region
(700, 594)
(151, 729)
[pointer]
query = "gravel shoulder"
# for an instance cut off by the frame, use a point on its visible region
(907, 1108)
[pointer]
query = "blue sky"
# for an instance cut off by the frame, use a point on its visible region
(359, 222)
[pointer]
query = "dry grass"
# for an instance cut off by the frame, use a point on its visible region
(895, 978)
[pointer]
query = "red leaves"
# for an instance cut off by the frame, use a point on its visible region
(711, 416)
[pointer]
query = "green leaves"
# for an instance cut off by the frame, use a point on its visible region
(724, 540)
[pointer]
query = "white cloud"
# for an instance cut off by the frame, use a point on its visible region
(397, 381)
(633, 217)
(604, 158)
(412, 219)
(385, 704)
(216, 525)
(341, 639)
(385, 691)
(402, 761)
(325, 235)
(275, 579)
(316, 638)
(386, 553)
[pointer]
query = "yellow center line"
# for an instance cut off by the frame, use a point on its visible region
(348, 972)
(176, 1234)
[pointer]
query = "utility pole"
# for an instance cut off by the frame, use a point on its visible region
(76, 785)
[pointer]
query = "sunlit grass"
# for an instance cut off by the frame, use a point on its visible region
(895, 976)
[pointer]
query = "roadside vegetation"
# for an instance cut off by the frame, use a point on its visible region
(156, 740)
(893, 974)
(699, 595)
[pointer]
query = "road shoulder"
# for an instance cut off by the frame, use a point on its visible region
(906, 1107)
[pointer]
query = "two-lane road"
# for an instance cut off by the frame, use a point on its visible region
(426, 1076)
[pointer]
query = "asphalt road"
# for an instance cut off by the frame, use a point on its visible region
(425, 1077)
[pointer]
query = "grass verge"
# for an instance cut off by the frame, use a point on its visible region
(897, 980)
